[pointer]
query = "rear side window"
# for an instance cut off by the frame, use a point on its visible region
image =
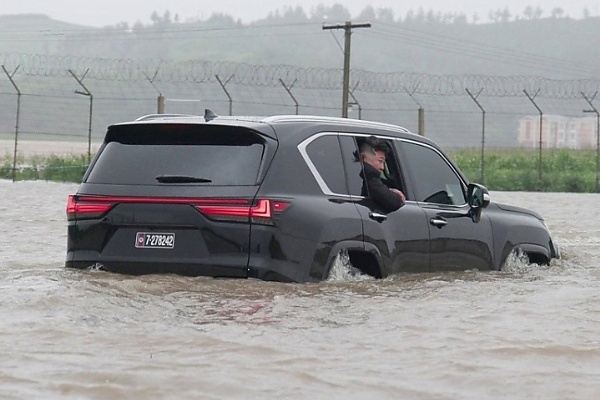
(200, 154)
(324, 153)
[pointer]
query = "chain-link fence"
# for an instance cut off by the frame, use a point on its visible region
(62, 105)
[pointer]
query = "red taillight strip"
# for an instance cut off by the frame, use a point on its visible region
(79, 206)
(261, 210)
(157, 200)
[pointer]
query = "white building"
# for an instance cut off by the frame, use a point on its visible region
(558, 132)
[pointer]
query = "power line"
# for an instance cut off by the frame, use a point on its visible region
(478, 50)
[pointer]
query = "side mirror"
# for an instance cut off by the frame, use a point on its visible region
(478, 198)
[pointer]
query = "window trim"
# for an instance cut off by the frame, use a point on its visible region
(313, 169)
(327, 191)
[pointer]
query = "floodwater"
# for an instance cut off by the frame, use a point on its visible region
(525, 333)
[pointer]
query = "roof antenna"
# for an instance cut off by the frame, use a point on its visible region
(209, 115)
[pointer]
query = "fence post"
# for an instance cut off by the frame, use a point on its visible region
(420, 112)
(160, 100)
(10, 77)
(351, 93)
(289, 90)
(482, 166)
(223, 85)
(595, 110)
(532, 99)
(89, 94)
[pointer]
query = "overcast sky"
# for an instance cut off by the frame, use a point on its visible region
(109, 12)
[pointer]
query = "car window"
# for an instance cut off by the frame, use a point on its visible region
(352, 165)
(324, 153)
(391, 176)
(139, 155)
(434, 180)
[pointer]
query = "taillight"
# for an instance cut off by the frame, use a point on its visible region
(264, 211)
(84, 207)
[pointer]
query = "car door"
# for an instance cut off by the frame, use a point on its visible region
(457, 241)
(402, 236)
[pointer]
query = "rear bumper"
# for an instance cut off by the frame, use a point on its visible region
(229, 267)
(135, 268)
(268, 270)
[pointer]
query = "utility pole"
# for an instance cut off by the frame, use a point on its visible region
(347, 27)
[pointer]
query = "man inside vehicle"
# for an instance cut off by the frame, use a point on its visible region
(372, 155)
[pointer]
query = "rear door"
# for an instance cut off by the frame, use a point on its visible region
(179, 198)
(457, 243)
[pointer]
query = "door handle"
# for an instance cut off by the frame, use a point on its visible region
(377, 216)
(439, 222)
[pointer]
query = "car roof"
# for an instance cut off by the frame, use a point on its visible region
(272, 120)
(267, 125)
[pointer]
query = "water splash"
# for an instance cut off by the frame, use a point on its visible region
(517, 261)
(343, 270)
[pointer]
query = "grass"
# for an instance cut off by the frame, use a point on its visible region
(519, 170)
(52, 168)
(507, 170)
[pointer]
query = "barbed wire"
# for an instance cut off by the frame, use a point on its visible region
(127, 70)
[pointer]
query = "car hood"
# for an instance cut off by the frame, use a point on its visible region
(521, 210)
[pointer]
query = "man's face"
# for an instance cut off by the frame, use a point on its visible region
(375, 158)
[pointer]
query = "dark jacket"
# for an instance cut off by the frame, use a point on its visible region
(374, 188)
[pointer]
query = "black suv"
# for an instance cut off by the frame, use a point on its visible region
(279, 198)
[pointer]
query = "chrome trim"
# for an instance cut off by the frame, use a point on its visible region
(320, 181)
(326, 190)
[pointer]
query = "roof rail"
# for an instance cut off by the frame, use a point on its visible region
(151, 117)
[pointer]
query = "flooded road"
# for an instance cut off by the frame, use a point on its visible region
(525, 333)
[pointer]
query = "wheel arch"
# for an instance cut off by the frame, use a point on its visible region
(363, 256)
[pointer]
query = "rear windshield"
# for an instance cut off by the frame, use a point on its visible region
(156, 154)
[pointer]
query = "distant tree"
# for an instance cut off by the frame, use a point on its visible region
(155, 18)
(586, 13)
(337, 12)
(533, 13)
(460, 18)
(410, 16)
(294, 14)
(221, 19)
(420, 17)
(138, 26)
(385, 14)
(367, 14)
(476, 18)
(557, 12)
(494, 16)
(432, 16)
(505, 15)
(167, 17)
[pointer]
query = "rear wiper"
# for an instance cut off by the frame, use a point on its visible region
(181, 179)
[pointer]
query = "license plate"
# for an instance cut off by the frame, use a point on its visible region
(151, 240)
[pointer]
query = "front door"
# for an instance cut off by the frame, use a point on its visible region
(457, 242)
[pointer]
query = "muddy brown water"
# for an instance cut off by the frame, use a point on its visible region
(524, 333)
